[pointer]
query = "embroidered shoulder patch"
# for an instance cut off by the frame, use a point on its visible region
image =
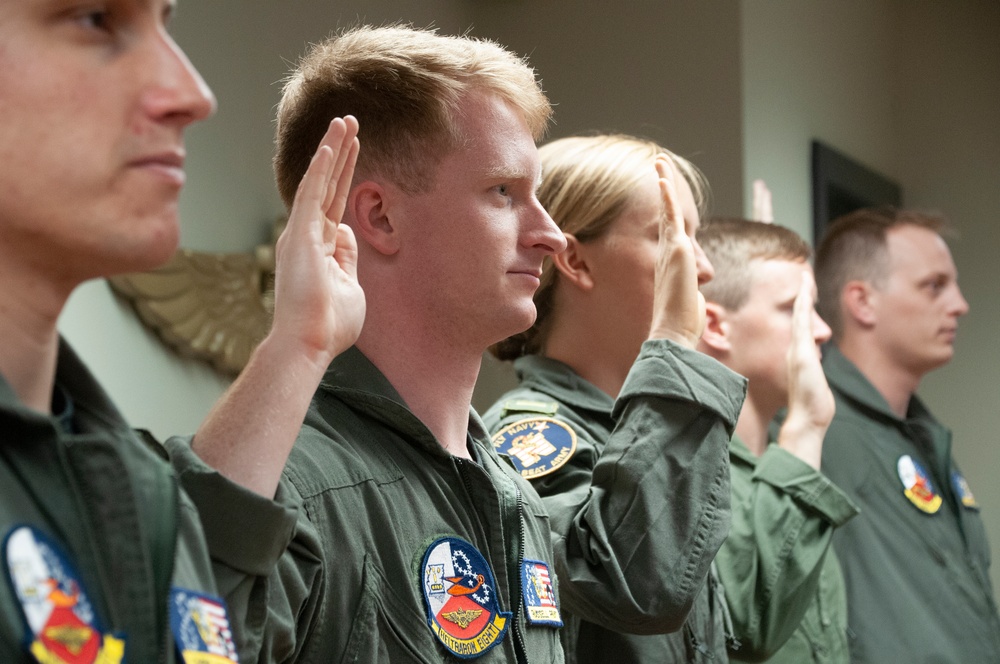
(917, 485)
(201, 628)
(539, 594)
(537, 445)
(64, 627)
(529, 406)
(459, 589)
(963, 491)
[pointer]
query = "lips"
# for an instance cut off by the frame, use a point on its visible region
(168, 165)
(535, 272)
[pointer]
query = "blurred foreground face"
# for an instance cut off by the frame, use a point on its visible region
(95, 98)
(761, 330)
(918, 306)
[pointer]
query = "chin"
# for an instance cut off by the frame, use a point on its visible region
(515, 322)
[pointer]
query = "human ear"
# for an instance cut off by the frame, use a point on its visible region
(858, 302)
(715, 337)
(369, 204)
(572, 264)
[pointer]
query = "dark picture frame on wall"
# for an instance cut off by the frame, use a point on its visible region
(841, 184)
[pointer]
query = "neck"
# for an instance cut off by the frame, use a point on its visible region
(603, 363)
(896, 384)
(434, 377)
(29, 313)
(751, 427)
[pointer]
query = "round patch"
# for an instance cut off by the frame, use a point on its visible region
(537, 446)
(917, 485)
(64, 628)
(963, 490)
(460, 593)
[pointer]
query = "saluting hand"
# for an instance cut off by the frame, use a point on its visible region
(810, 401)
(319, 304)
(678, 305)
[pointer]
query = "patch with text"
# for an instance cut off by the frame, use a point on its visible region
(539, 594)
(537, 446)
(463, 610)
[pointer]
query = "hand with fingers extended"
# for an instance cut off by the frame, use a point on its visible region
(319, 304)
(678, 305)
(762, 209)
(810, 401)
(318, 311)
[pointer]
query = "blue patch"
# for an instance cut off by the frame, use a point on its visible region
(201, 627)
(539, 594)
(537, 446)
(460, 593)
(61, 622)
(963, 490)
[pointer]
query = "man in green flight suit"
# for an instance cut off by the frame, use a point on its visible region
(916, 560)
(776, 565)
(416, 542)
(103, 558)
(607, 385)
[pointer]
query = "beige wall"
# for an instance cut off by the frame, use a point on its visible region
(912, 89)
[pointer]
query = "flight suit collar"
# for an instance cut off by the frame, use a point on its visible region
(561, 382)
(844, 376)
(354, 379)
(92, 407)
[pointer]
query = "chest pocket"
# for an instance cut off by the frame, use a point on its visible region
(386, 628)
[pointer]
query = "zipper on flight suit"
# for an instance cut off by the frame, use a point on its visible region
(519, 601)
(520, 650)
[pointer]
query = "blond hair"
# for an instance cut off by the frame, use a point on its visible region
(587, 183)
(405, 87)
(732, 244)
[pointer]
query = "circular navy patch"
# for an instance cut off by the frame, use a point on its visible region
(460, 593)
(537, 445)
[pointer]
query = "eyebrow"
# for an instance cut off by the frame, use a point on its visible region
(508, 173)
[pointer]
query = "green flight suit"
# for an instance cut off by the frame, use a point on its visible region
(782, 581)
(113, 508)
(641, 505)
(375, 490)
(917, 565)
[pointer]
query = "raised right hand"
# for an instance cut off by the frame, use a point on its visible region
(678, 305)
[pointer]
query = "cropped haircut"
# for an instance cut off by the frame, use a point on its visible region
(733, 244)
(854, 248)
(587, 183)
(405, 87)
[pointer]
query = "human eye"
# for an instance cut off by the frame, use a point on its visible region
(937, 285)
(502, 189)
(93, 18)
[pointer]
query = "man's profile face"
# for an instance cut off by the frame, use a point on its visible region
(760, 331)
(918, 306)
(475, 241)
(95, 97)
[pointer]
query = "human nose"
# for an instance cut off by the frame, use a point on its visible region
(960, 306)
(821, 331)
(178, 94)
(542, 232)
(704, 266)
